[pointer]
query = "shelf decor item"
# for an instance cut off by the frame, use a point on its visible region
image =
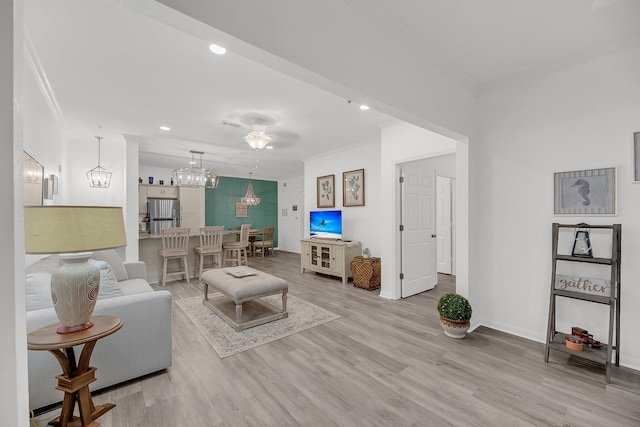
(581, 242)
(353, 188)
(326, 197)
(455, 315)
(74, 232)
(585, 192)
(573, 342)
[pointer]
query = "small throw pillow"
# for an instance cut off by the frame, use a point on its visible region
(113, 259)
(38, 287)
(109, 286)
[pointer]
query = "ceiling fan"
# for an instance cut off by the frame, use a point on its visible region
(261, 130)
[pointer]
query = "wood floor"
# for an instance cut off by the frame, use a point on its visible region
(383, 363)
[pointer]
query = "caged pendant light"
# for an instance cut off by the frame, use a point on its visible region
(99, 177)
(195, 176)
(250, 198)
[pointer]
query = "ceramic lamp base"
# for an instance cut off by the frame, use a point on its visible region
(69, 329)
(74, 291)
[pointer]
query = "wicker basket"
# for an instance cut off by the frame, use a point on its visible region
(366, 272)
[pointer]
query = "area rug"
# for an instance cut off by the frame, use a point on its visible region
(227, 342)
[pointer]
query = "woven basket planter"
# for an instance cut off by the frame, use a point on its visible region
(454, 328)
(366, 272)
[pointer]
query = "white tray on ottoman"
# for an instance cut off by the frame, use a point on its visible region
(240, 285)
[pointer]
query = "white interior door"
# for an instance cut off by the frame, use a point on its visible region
(418, 236)
(443, 225)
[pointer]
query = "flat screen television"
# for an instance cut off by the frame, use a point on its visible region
(325, 224)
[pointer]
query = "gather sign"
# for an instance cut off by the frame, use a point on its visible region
(585, 285)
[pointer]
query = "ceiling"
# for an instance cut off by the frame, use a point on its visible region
(111, 66)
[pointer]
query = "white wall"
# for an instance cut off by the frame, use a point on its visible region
(290, 193)
(403, 142)
(360, 223)
(581, 117)
(14, 404)
(43, 123)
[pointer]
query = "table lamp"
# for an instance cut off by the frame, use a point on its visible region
(73, 232)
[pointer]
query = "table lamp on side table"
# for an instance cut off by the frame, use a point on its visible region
(73, 232)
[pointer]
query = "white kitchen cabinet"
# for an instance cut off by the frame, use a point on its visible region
(192, 208)
(161, 192)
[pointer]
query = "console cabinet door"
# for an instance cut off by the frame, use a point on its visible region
(337, 259)
(305, 255)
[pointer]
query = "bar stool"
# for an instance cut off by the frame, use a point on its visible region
(235, 253)
(175, 245)
(210, 245)
(265, 243)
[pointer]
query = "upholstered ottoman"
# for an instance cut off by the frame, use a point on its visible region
(244, 285)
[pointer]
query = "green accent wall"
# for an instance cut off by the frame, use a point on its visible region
(220, 204)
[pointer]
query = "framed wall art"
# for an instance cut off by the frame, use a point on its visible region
(33, 180)
(353, 188)
(325, 191)
(585, 192)
(636, 157)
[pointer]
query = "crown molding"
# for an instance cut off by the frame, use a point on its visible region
(33, 62)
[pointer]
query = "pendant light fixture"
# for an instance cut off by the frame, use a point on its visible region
(258, 140)
(99, 177)
(195, 176)
(250, 198)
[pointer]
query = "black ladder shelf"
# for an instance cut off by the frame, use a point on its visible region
(555, 339)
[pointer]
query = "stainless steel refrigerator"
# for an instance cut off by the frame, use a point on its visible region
(163, 213)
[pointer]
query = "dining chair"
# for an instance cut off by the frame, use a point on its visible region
(266, 242)
(210, 245)
(175, 245)
(235, 253)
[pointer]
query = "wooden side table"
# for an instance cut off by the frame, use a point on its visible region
(75, 378)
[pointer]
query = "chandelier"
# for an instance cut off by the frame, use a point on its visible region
(258, 139)
(250, 198)
(99, 177)
(195, 176)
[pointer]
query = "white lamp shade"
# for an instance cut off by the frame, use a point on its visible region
(68, 229)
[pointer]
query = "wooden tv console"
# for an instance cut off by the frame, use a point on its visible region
(331, 257)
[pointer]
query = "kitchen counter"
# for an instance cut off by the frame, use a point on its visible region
(149, 246)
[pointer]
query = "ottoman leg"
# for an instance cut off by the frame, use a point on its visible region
(284, 300)
(238, 312)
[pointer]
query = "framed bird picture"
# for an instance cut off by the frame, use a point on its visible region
(585, 192)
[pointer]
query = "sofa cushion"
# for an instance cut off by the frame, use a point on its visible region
(109, 286)
(38, 288)
(135, 286)
(113, 259)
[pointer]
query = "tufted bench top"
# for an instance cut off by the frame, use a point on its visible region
(241, 288)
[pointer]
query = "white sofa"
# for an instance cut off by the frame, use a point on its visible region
(141, 347)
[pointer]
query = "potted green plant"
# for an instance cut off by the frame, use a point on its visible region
(455, 313)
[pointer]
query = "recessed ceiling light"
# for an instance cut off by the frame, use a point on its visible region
(364, 107)
(218, 50)
(165, 128)
(269, 147)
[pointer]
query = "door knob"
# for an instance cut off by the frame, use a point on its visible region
(433, 235)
